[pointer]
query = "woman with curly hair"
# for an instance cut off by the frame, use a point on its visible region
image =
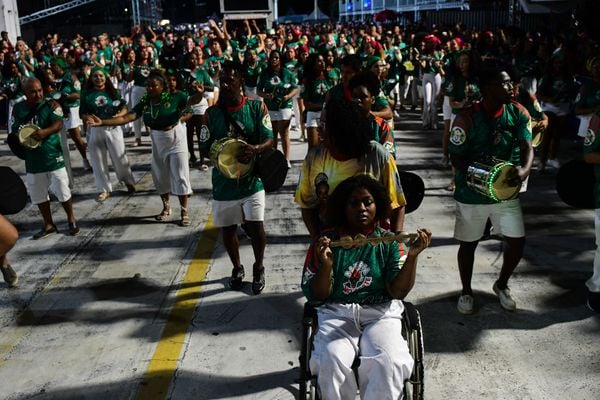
(100, 98)
(163, 113)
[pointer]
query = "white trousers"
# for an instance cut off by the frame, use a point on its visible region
(371, 332)
(103, 141)
(431, 88)
(593, 283)
(126, 88)
(136, 94)
(170, 168)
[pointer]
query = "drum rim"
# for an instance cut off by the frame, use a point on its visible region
(29, 138)
(214, 156)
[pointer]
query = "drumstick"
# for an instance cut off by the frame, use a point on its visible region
(361, 240)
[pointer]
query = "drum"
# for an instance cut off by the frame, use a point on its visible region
(25, 138)
(538, 134)
(493, 179)
(224, 156)
(575, 184)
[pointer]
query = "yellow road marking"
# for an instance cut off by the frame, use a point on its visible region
(163, 364)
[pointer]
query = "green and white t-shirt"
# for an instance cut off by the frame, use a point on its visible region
(256, 124)
(164, 114)
(280, 84)
(48, 156)
(360, 274)
(475, 135)
(68, 84)
(100, 103)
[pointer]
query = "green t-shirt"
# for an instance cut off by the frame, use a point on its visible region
(48, 156)
(163, 115)
(11, 87)
(252, 73)
(475, 136)
(315, 92)
(589, 95)
(68, 84)
(254, 118)
(460, 89)
(140, 74)
(280, 84)
(592, 144)
(360, 274)
(100, 103)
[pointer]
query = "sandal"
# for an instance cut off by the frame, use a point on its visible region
(165, 213)
(258, 281)
(102, 196)
(237, 278)
(185, 218)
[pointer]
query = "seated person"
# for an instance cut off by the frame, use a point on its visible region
(361, 288)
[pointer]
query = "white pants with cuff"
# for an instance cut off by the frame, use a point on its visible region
(136, 95)
(371, 332)
(103, 141)
(170, 167)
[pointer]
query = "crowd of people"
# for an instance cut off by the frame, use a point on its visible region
(503, 94)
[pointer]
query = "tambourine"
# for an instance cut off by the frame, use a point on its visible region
(25, 138)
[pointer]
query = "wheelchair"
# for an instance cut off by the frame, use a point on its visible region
(411, 332)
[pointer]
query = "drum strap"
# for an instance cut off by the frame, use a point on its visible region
(237, 127)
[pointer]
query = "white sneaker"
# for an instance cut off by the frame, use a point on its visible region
(465, 304)
(506, 301)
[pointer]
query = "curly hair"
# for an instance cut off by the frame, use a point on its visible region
(338, 200)
(367, 79)
(348, 128)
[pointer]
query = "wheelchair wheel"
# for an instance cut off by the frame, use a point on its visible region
(307, 383)
(414, 388)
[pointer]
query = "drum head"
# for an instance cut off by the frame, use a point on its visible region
(575, 184)
(501, 186)
(272, 169)
(414, 190)
(25, 136)
(227, 162)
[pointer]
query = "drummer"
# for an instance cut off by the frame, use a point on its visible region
(239, 201)
(44, 164)
(501, 128)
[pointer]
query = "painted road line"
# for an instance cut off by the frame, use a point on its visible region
(163, 364)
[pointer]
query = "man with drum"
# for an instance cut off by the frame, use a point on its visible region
(591, 155)
(44, 163)
(489, 134)
(238, 200)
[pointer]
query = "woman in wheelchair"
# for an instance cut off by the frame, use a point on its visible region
(360, 288)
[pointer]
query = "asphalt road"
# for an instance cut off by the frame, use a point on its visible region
(133, 308)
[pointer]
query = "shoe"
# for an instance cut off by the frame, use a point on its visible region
(237, 278)
(45, 232)
(552, 164)
(185, 218)
(289, 164)
(258, 281)
(10, 276)
(164, 214)
(102, 196)
(506, 301)
(450, 187)
(593, 301)
(136, 143)
(130, 188)
(73, 229)
(86, 165)
(465, 304)
(203, 167)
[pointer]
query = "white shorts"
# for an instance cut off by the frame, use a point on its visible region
(507, 219)
(57, 181)
(446, 109)
(209, 95)
(283, 114)
(235, 212)
(312, 119)
(250, 92)
(73, 121)
(200, 108)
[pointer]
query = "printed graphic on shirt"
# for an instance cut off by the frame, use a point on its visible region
(101, 101)
(204, 134)
(589, 138)
(357, 277)
(458, 136)
(266, 121)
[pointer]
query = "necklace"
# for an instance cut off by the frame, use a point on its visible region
(152, 114)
